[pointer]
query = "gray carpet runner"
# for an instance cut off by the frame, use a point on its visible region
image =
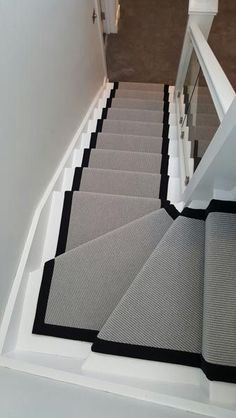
(163, 306)
(133, 143)
(131, 274)
(219, 326)
(137, 104)
(82, 287)
(126, 161)
(95, 214)
(118, 182)
(181, 306)
(130, 127)
(135, 115)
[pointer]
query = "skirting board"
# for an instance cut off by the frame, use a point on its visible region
(176, 402)
(54, 183)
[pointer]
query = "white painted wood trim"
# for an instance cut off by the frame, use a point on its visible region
(203, 6)
(126, 390)
(220, 88)
(37, 214)
(201, 12)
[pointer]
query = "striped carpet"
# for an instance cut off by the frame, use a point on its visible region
(131, 274)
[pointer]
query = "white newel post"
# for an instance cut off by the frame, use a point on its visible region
(201, 12)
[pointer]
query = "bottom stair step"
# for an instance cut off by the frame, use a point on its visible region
(160, 316)
(82, 287)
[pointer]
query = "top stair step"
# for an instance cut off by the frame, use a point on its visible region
(129, 103)
(140, 94)
(141, 86)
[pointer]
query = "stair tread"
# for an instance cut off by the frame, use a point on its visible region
(163, 307)
(135, 115)
(95, 214)
(136, 143)
(132, 127)
(219, 338)
(125, 160)
(130, 103)
(153, 95)
(140, 86)
(88, 282)
(119, 182)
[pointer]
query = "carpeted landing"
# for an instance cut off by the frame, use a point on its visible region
(131, 274)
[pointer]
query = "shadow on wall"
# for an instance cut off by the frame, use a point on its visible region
(148, 45)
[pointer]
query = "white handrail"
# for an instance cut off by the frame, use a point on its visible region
(220, 88)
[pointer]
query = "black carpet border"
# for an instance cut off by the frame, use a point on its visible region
(64, 225)
(68, 197)
(214, 372)
(165, 145)
(42, 328)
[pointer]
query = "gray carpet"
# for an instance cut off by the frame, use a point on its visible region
(219, 332)
(137, 115)
(134, 143)
(137, 104)
(120, 182)
(163, 306)
(140, 94)
(89, 281)
(95, 214)
(132, 128)
(125, 161)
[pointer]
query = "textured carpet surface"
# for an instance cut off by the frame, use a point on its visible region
(89, 281)
(95, 214)
(163, 307)
(219, 324)
(134, 143)
(120, 182)
(127, 161)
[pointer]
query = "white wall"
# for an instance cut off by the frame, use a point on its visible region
(51, 69)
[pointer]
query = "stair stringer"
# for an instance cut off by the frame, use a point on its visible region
(37, 249)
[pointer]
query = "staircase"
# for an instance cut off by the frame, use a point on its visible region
(132, 275)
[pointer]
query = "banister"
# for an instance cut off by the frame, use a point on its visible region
(220, 88)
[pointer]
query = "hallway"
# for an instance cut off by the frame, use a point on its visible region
(148, 45)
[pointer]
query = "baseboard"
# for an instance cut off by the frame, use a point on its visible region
(56, 179)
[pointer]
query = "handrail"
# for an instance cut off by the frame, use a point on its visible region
(220, 88)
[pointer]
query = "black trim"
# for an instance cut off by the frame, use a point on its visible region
(196, 162)
(163, 187)
(77, 178)
(195, 148)
(164, 164)
(213, 372)
(170, 209)
(194, 213)
(64, 226)
(165, 145)
(224, 206)
(41, 328)
(93, 140)
(146, 353)
(218, 372)
(86, 157)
